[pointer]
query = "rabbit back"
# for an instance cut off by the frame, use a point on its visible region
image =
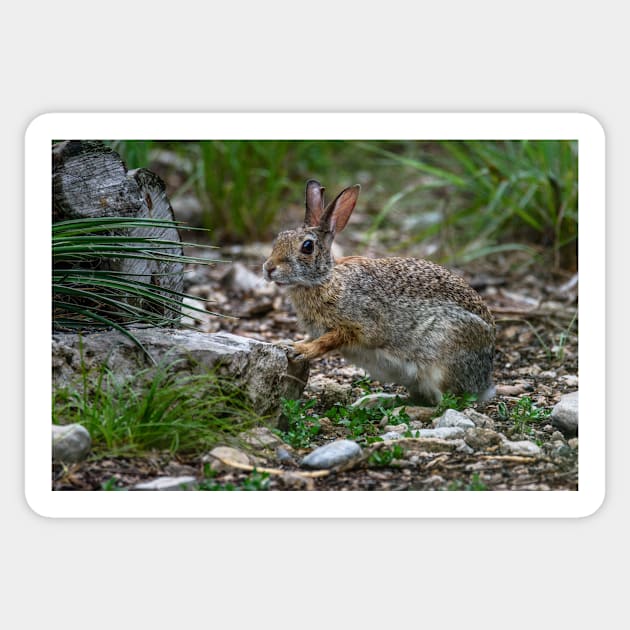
(411, 322)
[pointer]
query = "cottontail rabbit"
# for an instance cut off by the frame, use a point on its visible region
(404, 320)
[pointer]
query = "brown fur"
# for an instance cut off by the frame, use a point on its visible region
(405, 320)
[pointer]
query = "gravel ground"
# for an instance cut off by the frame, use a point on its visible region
(536, 356)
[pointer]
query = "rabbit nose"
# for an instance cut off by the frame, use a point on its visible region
(269, 267)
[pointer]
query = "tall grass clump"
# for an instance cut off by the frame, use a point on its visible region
(135, 153)
(158, 409)
(497, 195)
(89, 295)
(244, 183)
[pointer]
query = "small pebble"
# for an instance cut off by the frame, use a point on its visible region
(445, 433)
(398, 428)
(283, 456)
(481, 439)
(219, 454)
(453, 418)
(479, 419)
(522, 447)
(564, 415)
(70, 443)
(333, 454)
(420, 414)
(391, 435)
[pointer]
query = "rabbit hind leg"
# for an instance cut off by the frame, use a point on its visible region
(427, 389)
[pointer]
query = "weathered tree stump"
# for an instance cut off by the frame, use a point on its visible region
(90, 180)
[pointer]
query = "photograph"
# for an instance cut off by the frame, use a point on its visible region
(315, 313)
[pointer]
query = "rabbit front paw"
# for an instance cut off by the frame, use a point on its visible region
(291, 349)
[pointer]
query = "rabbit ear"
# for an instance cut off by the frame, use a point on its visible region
(314, 203)
(338, 212)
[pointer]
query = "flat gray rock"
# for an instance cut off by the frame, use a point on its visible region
(332, 454)
(453, 418)
(220, 454)
(261, 370)
(70, 443)
(443, 433)
(328, 391)
(522, 447)
(480, 419)
(391, 435)
(565, 414)
(481, 439)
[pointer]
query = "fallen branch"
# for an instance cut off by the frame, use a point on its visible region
(438, 460)
(519, 459)
(273, 471)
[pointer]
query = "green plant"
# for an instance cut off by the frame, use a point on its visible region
(492, 194)
(255, 481)
(111, 485)
(523, 414)
(302, 427)
(558, 348)
(475, 484)
(363, 384)
(135, 153)
(156, 409)
(87, 294)
(385, 456)
(244, 183)
(363, 423)
(453, 401)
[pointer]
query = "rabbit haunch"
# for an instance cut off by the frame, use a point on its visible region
(404, 320)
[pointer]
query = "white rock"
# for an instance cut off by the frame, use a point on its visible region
(332, 454)
(167, 483)
(453, 418)
(565, 414)
(570, 379)
(481, 438)
(522, 447)
(70, 443)
(190, 314)
(398, 428)
(480, 419)
(391, 435)
(444, 433)
(219, 454)
(328, 391)
(240, 279)
(261, 438)
(419, 414)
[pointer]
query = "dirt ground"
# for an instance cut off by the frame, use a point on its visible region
(536, 356)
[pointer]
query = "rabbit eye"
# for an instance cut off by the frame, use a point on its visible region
(307, 247)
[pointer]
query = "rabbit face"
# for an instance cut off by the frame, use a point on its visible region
(300, 257)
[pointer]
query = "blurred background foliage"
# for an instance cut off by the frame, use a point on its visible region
(453, 201)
